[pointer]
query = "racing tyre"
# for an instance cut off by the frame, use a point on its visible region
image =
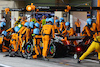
(56, 50)
(28, 47)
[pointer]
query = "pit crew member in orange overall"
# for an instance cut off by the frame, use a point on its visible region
(14, 40)
(89, 30)
(62, 24)
(69, 31)
(56, 26)
(2, 47)
(37, 38)
(47, 33)
(24, 36)
(20, 32)
(77, 24)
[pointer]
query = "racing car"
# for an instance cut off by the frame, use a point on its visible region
(56, 49)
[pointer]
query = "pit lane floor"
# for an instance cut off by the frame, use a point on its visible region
(53, 62)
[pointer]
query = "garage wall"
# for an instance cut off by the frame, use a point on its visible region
(5, 4)
(82, 16)
(14, 14)
(59, 14)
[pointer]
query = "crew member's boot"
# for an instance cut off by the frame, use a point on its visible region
(45, 59)
(79, 61)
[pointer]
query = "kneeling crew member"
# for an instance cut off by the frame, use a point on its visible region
(69, 31)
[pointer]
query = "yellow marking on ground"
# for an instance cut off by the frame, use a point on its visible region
(66, 64)
(61, 63)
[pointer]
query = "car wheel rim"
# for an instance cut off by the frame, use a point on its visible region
(28, 49)
(51, 50)
(75, 56)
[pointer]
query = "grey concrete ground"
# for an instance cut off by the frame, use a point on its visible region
(54, 62)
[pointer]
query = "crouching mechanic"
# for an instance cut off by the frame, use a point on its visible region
(47, 33)
(37, 37)
(14, 41)
(94, 46)
(89, 31)
(90, 28)
(69, 31)
(2, 39)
